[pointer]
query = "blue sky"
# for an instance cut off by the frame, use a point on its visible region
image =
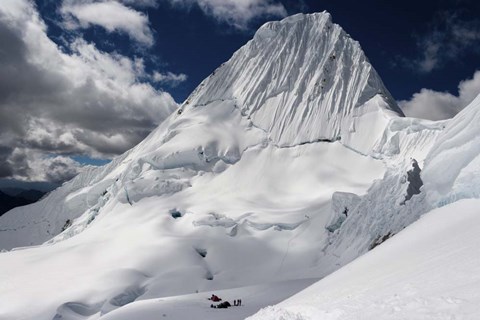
(89, 79)
(191, 42)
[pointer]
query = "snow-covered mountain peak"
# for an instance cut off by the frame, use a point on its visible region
(302, 79)
(270, 28)
(288, 162)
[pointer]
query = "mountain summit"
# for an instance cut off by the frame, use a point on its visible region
(302, 79)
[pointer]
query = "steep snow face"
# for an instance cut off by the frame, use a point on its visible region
(302, 79)
(452, 168)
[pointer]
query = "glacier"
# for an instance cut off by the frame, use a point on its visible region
(287, 163)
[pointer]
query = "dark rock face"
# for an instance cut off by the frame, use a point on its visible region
(414, 181)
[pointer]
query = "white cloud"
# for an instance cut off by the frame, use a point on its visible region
(34, 166)
(111, 15)
(169, 78)
(237, 13)
(434, 105)
(85, 102)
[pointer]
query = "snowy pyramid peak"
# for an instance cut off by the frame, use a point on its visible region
(301, 79)
(286, 163)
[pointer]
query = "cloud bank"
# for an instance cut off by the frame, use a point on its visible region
(434, 105)
(54, 104)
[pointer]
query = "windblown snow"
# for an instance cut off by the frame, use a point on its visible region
(287, 163)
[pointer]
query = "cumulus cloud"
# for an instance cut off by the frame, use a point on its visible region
(82, 102)
(237, 13)
(449, 38)
(434, 105)
(30, 165)
(113, 16)
(169, 78)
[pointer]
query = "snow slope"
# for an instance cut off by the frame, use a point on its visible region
(198, 307)
(431, 270)
(288, 162)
